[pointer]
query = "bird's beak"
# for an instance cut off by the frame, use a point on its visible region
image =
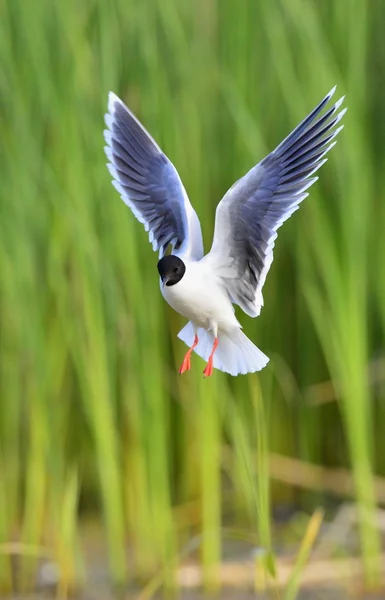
(165, 280)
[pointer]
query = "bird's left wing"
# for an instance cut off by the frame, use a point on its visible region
(248, 216)
(149, 184)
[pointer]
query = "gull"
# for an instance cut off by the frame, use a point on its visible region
(204, 288)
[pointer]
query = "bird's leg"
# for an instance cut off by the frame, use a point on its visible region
(209, 367)
(186, 364)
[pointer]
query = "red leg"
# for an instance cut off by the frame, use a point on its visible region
(186, 364)
(209, 367)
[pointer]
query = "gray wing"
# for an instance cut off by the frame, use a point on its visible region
(149, 184)
(254, 208)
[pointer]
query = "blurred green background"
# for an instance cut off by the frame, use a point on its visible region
(94, 419)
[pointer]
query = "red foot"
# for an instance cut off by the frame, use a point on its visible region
(209, 367)
(186, 364)
(208, 371)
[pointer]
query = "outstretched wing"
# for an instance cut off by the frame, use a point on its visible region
(149, 184)
(248, 216)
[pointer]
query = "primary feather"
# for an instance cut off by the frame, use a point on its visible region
(252, 210)
(149, 183)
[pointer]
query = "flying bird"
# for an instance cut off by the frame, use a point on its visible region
(204, 288)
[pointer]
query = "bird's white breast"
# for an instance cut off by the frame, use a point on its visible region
(201, 297)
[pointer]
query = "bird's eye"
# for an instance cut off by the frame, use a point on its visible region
(176, 269)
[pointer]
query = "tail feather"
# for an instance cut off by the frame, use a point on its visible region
(235, 354)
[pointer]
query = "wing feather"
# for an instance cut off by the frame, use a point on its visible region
(149, 184)
(254, 208)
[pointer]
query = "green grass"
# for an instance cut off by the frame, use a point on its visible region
(93, 413)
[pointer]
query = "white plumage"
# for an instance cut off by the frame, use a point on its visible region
(204, 288)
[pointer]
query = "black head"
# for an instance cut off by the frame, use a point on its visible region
(171, 269)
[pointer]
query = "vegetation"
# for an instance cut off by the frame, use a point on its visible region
(94, 416)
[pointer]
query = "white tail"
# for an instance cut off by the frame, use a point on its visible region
(235, 354)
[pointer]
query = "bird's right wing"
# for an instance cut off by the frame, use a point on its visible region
(149, 184)
(248, 216)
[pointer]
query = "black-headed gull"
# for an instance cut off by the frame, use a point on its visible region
(204, 288)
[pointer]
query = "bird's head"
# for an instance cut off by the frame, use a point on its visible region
(171, 269)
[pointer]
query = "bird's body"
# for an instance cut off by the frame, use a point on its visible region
(204, 288)
(202, 297)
